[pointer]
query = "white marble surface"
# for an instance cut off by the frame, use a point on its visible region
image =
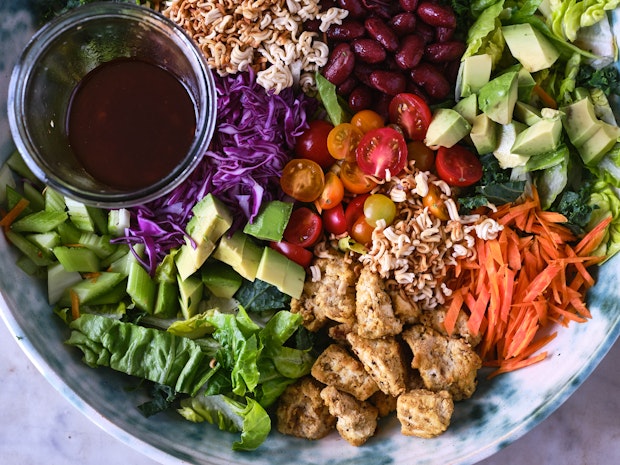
(38, 425)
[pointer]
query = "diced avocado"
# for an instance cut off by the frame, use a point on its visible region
(467, 108)
(474, 72)
(593, 149)
(530, 47)
(525, 85)
(281, 272)
(580, 121)
(484, 134)
(189, 259)
(221, 279)
(543, 136)
(446, 129)
(526, 113)
(498, 97)
(271, 221)
(240, 252)
(506, 136)
(190, 294)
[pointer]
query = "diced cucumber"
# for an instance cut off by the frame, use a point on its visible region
(39, 222)
(141, 287)
(59, 280)
(77, 258)
(29, 249)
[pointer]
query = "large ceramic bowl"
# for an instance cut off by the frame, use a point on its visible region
(501, 411)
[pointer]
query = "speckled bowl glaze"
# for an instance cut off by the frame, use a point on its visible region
(501, 411)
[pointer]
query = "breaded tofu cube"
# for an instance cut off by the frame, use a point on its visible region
(435, 319)
(356, 420)
(336, 367)
(383, 360)
(445, 363)
(302, 413)
(331, 298)
(373, 307)
(424, 413)
(338, 332)
(385, 403)
(405, 309)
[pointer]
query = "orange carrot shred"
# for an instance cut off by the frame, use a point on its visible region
(75, 304)
(8, 219)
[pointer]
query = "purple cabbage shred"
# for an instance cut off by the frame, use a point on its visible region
(254, 137)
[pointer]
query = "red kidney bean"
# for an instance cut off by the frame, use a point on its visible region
(410, 52)
(408, 5)
(431, 80)
(388, 82)
(425, 31)
(312, 25)
(435, 14)
(350, 29)
(382, 33)
(444, 34)
(368, 50)
(403, 23)
(340, 64)
(441, 52)
(347, 86)
(355, 8)
(362, 72)
(361, 98)
(382, 105)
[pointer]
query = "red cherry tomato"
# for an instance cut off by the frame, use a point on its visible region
(302, 179)
(355, 210)
(423, 156)
(299, 255)
(411, 113)
(362, 231)
(381, 150)
(312, 143)
(458, 166)
(304, 227)
(334, 220)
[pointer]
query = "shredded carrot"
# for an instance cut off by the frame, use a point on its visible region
(75, 304)
(545, 98)
(534, 274)
(8, 219)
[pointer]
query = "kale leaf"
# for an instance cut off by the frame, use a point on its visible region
(607, 79)
(259, 296)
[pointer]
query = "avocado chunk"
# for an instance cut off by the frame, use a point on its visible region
(271, 221)
(467, 108)
(241, 253)
(191, 291)
(474, 72)
(601, 142)
(530, 47)
(543, 136)
(498, 97)
(484, 134)
(221, 279)
(580, 121)
(525, 85)
(281, 272)
(446, 129)
(506, 136)
(526, 113)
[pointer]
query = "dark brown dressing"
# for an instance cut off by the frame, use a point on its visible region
(130, 123)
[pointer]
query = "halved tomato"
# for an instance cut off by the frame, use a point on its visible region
(411, 113)
(302, 179)
(304, 227)
(342, 141)
(458, 166)
(382, 150)
(354, 179)
(299, 255)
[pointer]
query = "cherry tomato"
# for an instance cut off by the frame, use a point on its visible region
(435, 204)
(299, 255)
(379, 207)
(367, 120)
(361, 231)
(411, 113)
(423, 156)
(302, 179)
(354, 179)
(333, 192)
(355, 210)
(312, 143)
(334, 220)
(458, 166)
(381, 150)
(304, 227)
(342, 141)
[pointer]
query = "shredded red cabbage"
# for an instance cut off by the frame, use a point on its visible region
(255, 134)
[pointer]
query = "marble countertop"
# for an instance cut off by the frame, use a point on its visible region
(39, 426)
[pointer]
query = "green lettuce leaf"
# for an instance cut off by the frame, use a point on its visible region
(485, 35)
(147, 353)
(230, 415)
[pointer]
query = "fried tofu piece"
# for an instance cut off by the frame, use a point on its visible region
(336, 367)
(383, 360)
(435, 319)
(424, 413)
(405, 309)
(302, 413)
(445, 363)
(331, 298)
(373, 307)
(385, 403)
(356, 420)
(339, 332)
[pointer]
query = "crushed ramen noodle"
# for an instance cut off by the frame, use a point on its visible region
(266, 35)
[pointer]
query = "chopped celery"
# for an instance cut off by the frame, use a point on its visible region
(69, 234)
(166, 271)
(39, 222)
(141, 287)
(59, 280)
(96, 289)
(123, 262)
(113, 296)
(29, 267)
(118, 221)
(34, 196)
(166, 300)
(45, 241)
(79, 216)
(99, 219)
(120, 251)
(7, 180)
(17, 164)
(12, 197)
(54, 200)
(101, 245)
(77, 258)
(29, 249)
